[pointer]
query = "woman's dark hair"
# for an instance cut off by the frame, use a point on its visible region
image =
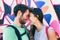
(58, 38)
(37, 13)
(33, 28)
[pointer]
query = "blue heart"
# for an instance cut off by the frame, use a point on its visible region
(47, 18)
(40, 3)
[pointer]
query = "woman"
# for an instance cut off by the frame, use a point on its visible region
(39, 30)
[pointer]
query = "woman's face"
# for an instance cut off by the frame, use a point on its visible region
(32, 18)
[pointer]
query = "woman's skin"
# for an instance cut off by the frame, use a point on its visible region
(34, 21)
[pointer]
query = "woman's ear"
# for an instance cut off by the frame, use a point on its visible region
(38, 16)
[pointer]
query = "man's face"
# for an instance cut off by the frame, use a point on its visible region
(25, 17)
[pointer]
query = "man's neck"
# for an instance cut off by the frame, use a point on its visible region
(16, 21)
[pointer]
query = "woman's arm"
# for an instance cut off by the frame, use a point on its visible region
(51, 35)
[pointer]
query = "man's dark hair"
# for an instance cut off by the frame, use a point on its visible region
(20, 7)
(38, 13)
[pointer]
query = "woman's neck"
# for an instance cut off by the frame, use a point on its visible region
(38, 25)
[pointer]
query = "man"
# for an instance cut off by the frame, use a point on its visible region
(14, 31)
(40, 31)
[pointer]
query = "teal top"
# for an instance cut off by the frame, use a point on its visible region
(9, 33)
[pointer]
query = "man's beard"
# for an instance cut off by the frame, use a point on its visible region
(22, 22)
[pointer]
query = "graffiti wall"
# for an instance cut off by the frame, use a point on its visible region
(50, 9)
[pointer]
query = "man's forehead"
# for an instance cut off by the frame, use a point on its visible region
(27, 10)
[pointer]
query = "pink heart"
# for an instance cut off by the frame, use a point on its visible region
(55, 25)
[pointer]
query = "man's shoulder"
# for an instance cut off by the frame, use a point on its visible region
(8, 28)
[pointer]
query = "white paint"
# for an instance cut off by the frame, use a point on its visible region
(56, 2)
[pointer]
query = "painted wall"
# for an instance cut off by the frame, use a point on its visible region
(50, 10)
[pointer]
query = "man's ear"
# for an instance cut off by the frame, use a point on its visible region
(19, 13)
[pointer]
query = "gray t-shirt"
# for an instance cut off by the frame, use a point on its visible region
(41, 35)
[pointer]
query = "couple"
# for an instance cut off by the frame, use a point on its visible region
(17, 30)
